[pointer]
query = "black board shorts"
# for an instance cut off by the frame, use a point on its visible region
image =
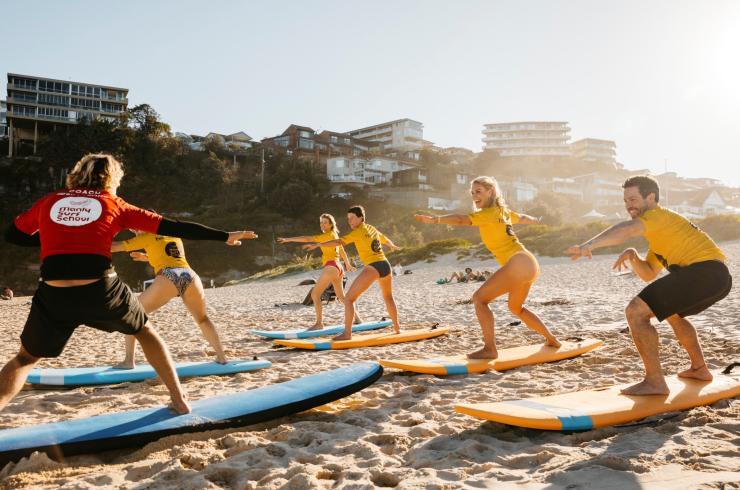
(382, 266)
(56, 312)
(688, 290)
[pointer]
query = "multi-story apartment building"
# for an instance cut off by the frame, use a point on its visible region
(595, 150)
(304, 142)
(402, 135)
(38, 105)
(601, 190)
(3, 119)
(528, 138)
(360, 172)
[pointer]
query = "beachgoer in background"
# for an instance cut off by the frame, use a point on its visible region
(6, 294)
(519, 268)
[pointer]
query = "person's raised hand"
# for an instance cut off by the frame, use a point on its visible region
(139, 256)
(578, 251)
(235, 237)
(626, 256)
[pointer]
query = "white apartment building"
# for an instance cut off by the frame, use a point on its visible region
(595, 150)
(528, 138)
(565, 187)
(518, 191)
(362, 171)
(3, 119)
(401, 134)
(599, 190)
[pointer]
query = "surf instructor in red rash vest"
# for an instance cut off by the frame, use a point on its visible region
(78, 285)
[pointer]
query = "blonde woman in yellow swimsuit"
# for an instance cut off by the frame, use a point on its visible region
(369, 243)
(332, 272)
(174, 277)
(519, 268)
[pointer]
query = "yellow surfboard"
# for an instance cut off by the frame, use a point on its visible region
(507, 359)
(366, 340)
(603, 407)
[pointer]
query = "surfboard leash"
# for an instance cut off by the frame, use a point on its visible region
(730, 367)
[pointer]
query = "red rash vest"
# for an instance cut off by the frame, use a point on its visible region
(82, 222)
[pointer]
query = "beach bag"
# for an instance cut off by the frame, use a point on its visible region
(328, 295)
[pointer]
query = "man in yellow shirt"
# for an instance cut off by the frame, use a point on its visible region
(698, 278)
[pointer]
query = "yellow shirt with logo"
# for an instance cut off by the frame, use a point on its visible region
(368, 242)
(327, 253)
(496, 231)
(674, 240)
(163, 251)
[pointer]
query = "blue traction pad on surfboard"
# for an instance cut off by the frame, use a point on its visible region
(332, 330)
(137, 427)
(108, 375)
(569, 418)
(450, 367)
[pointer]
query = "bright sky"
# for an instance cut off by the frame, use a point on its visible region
(661, 78)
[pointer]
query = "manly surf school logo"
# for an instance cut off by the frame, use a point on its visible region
(75, 211)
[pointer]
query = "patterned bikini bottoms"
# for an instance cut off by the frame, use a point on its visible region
(181, 277)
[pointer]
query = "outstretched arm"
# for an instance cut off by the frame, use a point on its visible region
(447, 219)
(525, 219)
(196, 231)
(296, 239)
(387, 241)
(337, 242)
(613, 235)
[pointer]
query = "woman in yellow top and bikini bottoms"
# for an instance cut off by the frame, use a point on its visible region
(174, 277)
(368, 242)
(332, 272)
(519, 268)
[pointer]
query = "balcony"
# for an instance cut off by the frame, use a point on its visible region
(22, 99)
(23, 86)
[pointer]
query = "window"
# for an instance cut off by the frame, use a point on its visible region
(304, 134)
(334, 139)
(346, 141)
(305, 144)
(339, 163)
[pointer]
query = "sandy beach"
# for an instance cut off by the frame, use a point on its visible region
(402, 431)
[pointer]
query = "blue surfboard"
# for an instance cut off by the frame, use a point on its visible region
(138, 427)
(332, 330)
(103, 375)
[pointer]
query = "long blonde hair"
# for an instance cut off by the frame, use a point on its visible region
(98, 171)
(490, 183)
(330, 219)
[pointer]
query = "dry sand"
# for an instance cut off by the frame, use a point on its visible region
(401, 431)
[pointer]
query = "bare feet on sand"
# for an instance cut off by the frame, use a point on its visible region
(124, 365)
(647, 387)
(180, 406)
(484, 354)
(701, 373)
(221, 359)
(342, 336)
(553, 342)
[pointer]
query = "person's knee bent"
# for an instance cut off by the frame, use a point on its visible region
(24, 358)
(636, 310)
(516, 310)
(479, 299)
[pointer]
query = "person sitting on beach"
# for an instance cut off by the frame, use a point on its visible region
(173, 277)
(332, 272)
(466, 276)
(78, 285)
(6, 294)
(398, 269)
(519, 268)
(369, 243)
(698, 278)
